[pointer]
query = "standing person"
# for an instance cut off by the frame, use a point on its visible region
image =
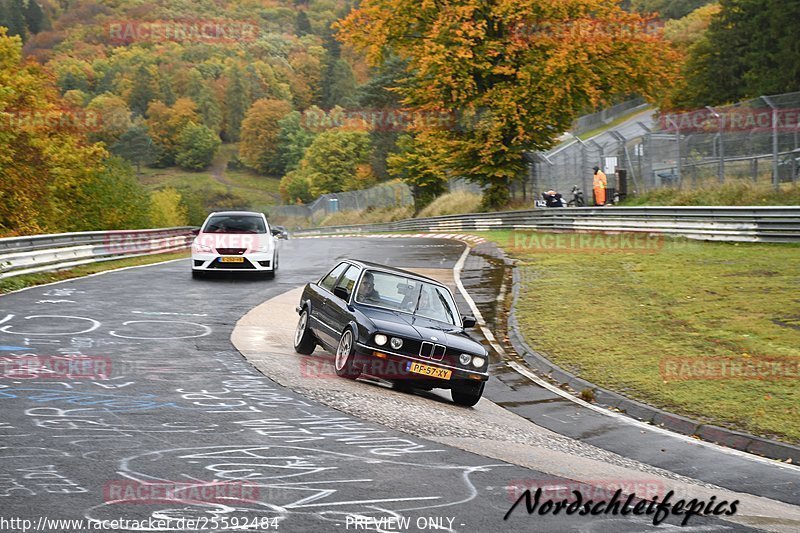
(600, 182)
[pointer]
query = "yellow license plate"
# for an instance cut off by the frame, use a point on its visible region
(231, 259)
(431, 371)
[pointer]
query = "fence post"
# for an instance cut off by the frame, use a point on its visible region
(721, 141)
(775, 180)
(678, 145)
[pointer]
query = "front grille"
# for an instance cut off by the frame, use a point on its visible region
(231, 251)
(245, 265)
(432, 351)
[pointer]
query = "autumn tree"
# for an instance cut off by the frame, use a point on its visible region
(143, 91)
(415, 163)
(167, 210)
(295, 188)
(112, 199)
(237, 102)
(260, 131)
(45, 156)
(136, 146)
(293, 140)
(197, 146)
(199, 91)
(512, 74)
(332, 161)
(165, 125)
(114, 117)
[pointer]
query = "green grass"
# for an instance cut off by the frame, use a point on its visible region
(155, 178)
(244, 183)
(248, 182)
(376, 215)
(452, 203)
(30, 280)
(613, 317)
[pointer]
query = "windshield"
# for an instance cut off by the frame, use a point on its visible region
(400, 293)
(235, 224)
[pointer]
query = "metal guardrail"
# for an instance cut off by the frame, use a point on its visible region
(734, 224)
(40, 253)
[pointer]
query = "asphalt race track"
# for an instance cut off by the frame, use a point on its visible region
(158, 399)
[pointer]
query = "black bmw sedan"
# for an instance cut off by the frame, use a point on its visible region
(395, 325)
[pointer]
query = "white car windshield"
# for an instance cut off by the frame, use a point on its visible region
(235, 224)
(400, 293)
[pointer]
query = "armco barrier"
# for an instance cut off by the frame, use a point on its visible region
(734, 224)
(40, 253)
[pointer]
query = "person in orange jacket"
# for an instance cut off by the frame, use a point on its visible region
(599, 185)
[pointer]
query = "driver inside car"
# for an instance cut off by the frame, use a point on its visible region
(366, 291)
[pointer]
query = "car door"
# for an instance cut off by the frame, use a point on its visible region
(336, 310)
(321, 293)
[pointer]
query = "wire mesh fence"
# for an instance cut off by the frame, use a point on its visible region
(756, 141)
(391, 194)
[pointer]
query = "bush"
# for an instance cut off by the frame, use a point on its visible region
(295, 187)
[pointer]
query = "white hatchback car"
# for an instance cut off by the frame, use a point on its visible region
(235, 241)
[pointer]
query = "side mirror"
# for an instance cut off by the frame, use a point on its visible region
(275, 232)
(342, 293)
(468, 321)
(196, 231)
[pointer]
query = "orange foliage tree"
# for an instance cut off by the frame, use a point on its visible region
(45, 158)
(512, 75)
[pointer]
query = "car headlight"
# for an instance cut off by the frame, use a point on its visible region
(396, 343)
(200, 247)
(478, 362)
(380, 339)
(465, 358)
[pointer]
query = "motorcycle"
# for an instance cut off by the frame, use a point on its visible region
(553, 199)
(577, 198)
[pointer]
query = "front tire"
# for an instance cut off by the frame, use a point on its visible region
(271, 274)
(198, 274)
(467, 394)
(345, 363)
(304, 341)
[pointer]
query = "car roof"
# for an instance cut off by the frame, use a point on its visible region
(392, 270)
(237, 213)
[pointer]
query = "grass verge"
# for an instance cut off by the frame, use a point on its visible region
(452, 203)
(734, 193)
(30, 280)
(376, 215)
(656, 323)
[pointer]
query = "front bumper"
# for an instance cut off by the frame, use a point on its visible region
(395, 366)
(253, 262)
